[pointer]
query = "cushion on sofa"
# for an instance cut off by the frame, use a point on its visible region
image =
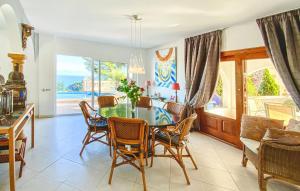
(251, 144)
(253, 127)
(293, 125)
(291, 138)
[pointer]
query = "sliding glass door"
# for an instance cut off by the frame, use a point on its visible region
(81, 78)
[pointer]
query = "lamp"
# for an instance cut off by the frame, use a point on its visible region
(176, 87)
(148, 84)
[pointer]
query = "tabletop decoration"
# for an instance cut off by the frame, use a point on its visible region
(132, 91)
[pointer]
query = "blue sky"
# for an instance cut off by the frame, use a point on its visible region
(71, 66)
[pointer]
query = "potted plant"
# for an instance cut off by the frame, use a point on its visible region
(132, 91)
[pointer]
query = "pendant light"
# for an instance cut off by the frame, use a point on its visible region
(136, 65)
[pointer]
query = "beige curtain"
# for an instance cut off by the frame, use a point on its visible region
(281, 34)
(202, 56)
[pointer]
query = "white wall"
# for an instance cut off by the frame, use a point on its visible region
(246, 35)
(11, 15)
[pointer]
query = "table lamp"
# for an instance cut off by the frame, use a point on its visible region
(176, 87)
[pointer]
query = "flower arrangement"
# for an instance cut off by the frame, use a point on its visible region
(132, 91)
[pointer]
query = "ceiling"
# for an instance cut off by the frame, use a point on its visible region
(163, 20)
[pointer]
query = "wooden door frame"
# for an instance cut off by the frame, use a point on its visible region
(240, 57)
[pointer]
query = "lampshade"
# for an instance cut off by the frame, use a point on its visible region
(175, 86)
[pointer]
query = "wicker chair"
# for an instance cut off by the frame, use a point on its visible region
(129, 139)
(145, 102)
(96, 125)
(252, 131)
(174, 108)
(279, 166)
(20, 148)
(174, 138)
(107, 101)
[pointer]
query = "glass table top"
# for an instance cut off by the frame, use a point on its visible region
(155, 116)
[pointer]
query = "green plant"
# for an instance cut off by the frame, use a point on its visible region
(132, 91)
(219, 88)
(76, 87)
(60, 86)
(268, 86)
(251, 88)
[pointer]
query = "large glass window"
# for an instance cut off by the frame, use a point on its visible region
(80, 78)
(223, 101)
(266, 95)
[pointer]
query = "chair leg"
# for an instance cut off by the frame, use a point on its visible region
(244, 159)
(143, 171)
(113, 165)
(181, 163)
(152, 149)
(85, 143)
(189, 153)
(21, 167)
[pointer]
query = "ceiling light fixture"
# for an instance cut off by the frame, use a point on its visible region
(136, 58)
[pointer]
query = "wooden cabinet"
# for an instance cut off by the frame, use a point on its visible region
(221, 127)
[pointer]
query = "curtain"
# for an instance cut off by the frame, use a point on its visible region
(281, 34)
(202, 56)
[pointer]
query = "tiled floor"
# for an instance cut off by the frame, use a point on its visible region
(54, 165)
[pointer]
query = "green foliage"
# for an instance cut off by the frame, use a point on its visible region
(109, 70)
(76, 87)
(268, 86)
(132, 91)
(60, 87)
(219, 88)
(251, 88)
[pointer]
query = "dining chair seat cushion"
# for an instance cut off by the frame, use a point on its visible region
(98, 124)
(161, 136)
(278, 185)
(251, 144)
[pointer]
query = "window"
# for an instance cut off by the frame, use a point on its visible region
(223, 100)
(266, 94)
(81, 78)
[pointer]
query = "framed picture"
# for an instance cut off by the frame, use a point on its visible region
(165, 67)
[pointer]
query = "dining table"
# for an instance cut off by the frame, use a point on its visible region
(155, 116)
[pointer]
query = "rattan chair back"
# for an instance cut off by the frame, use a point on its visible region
(145, 102)
(174, 108)
(84, 106)
(107, 101)
(127, 131)
(185, 126)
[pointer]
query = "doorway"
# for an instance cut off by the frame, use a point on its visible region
(83, 78)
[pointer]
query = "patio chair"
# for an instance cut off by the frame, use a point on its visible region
(174, 138)
(96, 125)
(145, 102)
(107, 101)
(280, 111)
(129, 140)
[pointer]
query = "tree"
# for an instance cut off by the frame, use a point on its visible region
(251, 88)
(60, 87)
(219, 88)
(268, 86)
(109, 70)
(76, 87)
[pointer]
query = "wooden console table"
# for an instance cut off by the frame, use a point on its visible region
(13, 126)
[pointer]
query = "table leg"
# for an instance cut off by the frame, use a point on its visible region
(32, 129)
(11, 145)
